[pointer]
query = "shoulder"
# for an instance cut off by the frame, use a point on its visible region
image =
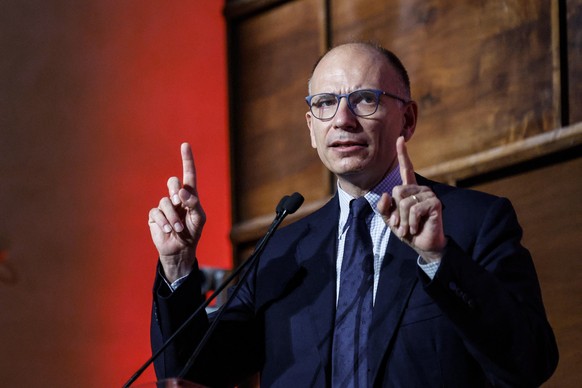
(327, 214)
(461, 198)
(315, 223)
(469, 212)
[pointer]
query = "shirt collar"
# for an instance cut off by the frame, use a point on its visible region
(386, 185)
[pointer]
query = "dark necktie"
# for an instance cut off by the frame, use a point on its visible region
(354, 307)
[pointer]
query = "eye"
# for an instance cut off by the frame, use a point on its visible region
(323, 100)
(363, 97)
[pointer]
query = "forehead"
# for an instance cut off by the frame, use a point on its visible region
(352, 67)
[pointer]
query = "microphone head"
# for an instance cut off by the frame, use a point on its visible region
(281, 205)
(293, 202)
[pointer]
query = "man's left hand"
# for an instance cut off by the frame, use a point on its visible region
(413, 212)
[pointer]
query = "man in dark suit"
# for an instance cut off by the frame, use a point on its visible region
(454, 298)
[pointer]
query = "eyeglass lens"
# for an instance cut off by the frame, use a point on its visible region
(361, 102)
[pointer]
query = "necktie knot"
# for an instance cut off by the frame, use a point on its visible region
(360, 208)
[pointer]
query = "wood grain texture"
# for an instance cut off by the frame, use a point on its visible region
(574, 45)
(501, 157)
(273, 53)
(548, 205)
(481, 71)
(493, 80)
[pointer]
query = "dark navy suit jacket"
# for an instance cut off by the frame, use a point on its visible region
(479, 322)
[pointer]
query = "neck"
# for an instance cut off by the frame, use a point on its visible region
(353, 190)
(357, 187)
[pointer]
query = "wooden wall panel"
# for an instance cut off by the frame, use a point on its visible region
(574, 45)
(492, 86)
(480, 71)
(551, 215)
(271, 58)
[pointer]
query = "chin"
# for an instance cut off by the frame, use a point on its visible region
(346, 171)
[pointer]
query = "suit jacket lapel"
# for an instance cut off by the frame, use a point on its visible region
(397, 279)
(317, 254)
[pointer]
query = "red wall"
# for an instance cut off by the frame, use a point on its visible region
(96, 98)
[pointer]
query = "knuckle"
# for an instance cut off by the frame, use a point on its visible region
(397, 192)
(173, 181)
(151, 216)
(416, 212)
(165, 202)
(404, 220)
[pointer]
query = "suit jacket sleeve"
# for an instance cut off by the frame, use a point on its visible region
(487, 285)
(232, 352)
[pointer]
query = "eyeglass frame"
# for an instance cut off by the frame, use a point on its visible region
(339, 97)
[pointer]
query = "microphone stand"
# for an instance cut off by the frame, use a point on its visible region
(287, 205)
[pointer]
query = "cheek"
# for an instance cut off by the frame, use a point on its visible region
(313, 140)
(309, 120)
(389, 150)
(317, 136)
(384, 145)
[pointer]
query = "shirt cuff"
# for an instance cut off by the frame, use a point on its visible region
(429, 269)
(175, 284)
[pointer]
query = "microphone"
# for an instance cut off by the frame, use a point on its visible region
(293, 203)
(287, 205)
(279, 208)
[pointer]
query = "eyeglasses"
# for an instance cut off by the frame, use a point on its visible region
(361, 103)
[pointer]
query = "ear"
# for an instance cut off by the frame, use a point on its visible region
(309, 119)
(409, 120)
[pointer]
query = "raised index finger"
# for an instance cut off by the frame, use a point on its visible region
(406, 168)
(188, 167)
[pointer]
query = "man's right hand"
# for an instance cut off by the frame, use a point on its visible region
(176, 224)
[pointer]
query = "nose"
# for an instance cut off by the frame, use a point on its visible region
(344, 117)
